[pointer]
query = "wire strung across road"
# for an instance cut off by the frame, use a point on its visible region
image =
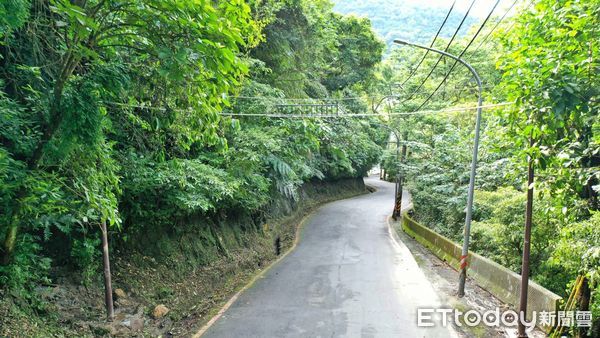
(352, 115)
(466, 81)
(514, 21)
(149, 106)
(334, 116)
(331, 99)
(495, 26)
(431, 45)
(441, 56)
(459, 56)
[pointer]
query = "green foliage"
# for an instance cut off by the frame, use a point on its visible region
(86, 256)
(498, 233)
(13, 14)
(437, 169)
(173, 189)
(27, 271)
(110, 112)
(578, 252)
(68, 68)
(554, 80)
(311, 51)
(358, 51)
(292, 50)
(547, 66)
(553, 77)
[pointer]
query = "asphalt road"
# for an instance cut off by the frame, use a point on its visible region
(347, 277)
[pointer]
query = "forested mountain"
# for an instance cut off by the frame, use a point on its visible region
(405, 19)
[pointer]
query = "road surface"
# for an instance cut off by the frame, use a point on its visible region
(347, 277)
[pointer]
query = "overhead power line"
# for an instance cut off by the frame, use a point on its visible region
(441, 56)
(495, 26)
(460, 55)
(431, 45)
(331, 99)
(416, 112)
(514, 22)
(465, 82)
(150, 106)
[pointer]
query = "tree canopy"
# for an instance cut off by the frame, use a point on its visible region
(110, 111)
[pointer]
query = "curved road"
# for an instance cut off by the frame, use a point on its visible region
(348, 277)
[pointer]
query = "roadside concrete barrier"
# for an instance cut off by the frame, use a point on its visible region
(491, 276)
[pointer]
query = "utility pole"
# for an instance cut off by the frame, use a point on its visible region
(108, 298)
(526, 246)
(398, 186)
(467, 231)
(398, 196)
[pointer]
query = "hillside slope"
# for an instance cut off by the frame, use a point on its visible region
(406, 20)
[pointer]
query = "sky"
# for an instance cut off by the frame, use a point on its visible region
(480, 9)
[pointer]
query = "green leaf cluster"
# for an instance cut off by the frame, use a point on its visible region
(110, 112)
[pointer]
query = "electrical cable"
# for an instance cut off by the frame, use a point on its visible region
(416, 112)
(514, 22)
(328, 99)
(431, 46)
(441, 56)
(495, 26)
(460, 55)
(464, 84)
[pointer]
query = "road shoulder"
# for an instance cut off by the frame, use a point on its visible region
(444, 280)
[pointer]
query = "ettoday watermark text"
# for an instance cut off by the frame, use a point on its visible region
(430, 317)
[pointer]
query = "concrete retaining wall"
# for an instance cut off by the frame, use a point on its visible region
(493, 277)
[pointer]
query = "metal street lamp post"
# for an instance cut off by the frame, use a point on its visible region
(467, 231)
(376, 106)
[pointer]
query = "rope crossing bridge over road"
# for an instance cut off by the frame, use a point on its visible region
(310, 109)
(337, 110)
(293, 108)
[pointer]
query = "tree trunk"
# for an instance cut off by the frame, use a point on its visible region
(9, 241)
(33, 162)
(584, 303)
(13, 228)
(108, 298)
(526, 246)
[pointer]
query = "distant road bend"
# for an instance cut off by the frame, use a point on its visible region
(346, 278)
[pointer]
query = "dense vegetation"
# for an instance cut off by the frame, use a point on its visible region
(127, 114)
(545, 61)
(110, 113)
